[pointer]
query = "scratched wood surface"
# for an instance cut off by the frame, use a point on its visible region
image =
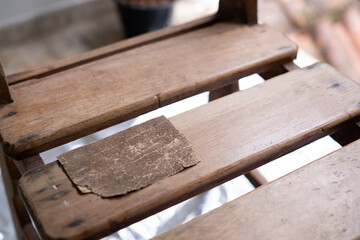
(53, 110)
(231, 136)
(129, 160)
(318, 201)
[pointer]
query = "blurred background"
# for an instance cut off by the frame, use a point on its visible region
(38, 32)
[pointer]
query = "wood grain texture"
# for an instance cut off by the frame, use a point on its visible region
(255, 178)
(231, 136)
(244, 11)
(53, 110)
(318, 201)
(5, 96)
(129, 160)
(109, 50)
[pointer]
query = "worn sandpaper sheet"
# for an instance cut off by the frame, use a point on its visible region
(129, 160)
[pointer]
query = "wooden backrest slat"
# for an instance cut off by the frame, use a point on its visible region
(53, 110)
(110, 50)
(231, 135)
(244, 11)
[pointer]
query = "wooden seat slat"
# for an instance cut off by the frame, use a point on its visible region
(111, 49)
(319, 201)
(255, 126)
(53, 110)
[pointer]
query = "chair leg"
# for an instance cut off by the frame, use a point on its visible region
(11, 177)
(276, 71)
(255, 178)
(273, 72)
(348, 134)
(223, 91)
(5, 96)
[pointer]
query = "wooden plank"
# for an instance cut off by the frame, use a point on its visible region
(5, 96)
(76, 102)
(231, 135)
(124, 45)
(244, 11)
(110, 50)
(254, 176)
(318, 201)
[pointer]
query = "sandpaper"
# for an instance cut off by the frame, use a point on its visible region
(129, 160)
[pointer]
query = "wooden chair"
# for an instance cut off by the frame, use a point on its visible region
(55, 104)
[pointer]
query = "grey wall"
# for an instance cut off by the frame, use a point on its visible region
(15, 11)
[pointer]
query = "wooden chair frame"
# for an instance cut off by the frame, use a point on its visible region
(242, 11)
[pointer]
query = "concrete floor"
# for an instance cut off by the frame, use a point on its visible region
(45, 47)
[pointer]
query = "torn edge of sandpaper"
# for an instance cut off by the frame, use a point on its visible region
(129, 160)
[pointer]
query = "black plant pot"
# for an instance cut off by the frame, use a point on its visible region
(142, 20)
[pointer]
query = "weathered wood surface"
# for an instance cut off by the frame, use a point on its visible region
(244, 11)
(318, 201)
(109, 50)
(129, 160)
(231, 135)
(53, 110)
(253, 176)
(5, 96)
